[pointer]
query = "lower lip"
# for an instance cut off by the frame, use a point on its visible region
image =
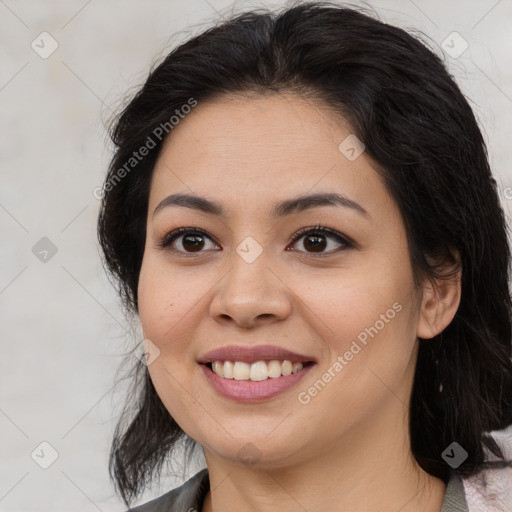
(251, 391)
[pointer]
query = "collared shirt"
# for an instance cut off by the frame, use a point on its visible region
(190, 496)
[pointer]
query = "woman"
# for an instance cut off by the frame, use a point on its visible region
(300, 211)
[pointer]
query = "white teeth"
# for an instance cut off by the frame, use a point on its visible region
(218, 368)
(286, 368)
(274, 369)
(257, 371)
(241, 371)
(296, 367)
(228, 369)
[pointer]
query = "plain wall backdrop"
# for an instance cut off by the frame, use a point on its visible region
(65, 68)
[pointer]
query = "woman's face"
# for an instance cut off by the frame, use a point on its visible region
(243, 281)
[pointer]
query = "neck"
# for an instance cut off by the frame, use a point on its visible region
(370, 468)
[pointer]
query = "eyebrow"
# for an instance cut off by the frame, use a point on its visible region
(288, 207)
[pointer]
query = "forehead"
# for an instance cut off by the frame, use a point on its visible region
(274, 123)
(262, 149)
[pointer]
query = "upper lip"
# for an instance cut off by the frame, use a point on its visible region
(252, 354)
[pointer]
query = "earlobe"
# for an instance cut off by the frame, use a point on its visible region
(440, 299)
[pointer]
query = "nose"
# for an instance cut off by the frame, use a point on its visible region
(251, 294)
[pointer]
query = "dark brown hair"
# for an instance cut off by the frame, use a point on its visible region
(415, 123)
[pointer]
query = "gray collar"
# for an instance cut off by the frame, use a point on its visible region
(455, 496)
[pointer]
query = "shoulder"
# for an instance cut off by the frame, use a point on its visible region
(490, 489)
(189, 495)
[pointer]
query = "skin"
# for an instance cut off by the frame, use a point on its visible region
(348, 448)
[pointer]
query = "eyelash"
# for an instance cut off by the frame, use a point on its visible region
(169, 238)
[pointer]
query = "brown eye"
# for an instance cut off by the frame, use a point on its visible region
(315, 243)
(188, 240)
(316, 240)
(192, 243)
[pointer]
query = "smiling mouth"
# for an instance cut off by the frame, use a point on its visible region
(257, 371)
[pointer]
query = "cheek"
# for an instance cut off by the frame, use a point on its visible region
(345, 303)
(367, 318)
(166, 313)
(166, 300)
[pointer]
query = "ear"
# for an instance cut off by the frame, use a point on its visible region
(441, 296)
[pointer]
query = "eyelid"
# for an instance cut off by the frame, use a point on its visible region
(345, 241)
(174, 234)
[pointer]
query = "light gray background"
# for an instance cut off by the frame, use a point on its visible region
(63, 332)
